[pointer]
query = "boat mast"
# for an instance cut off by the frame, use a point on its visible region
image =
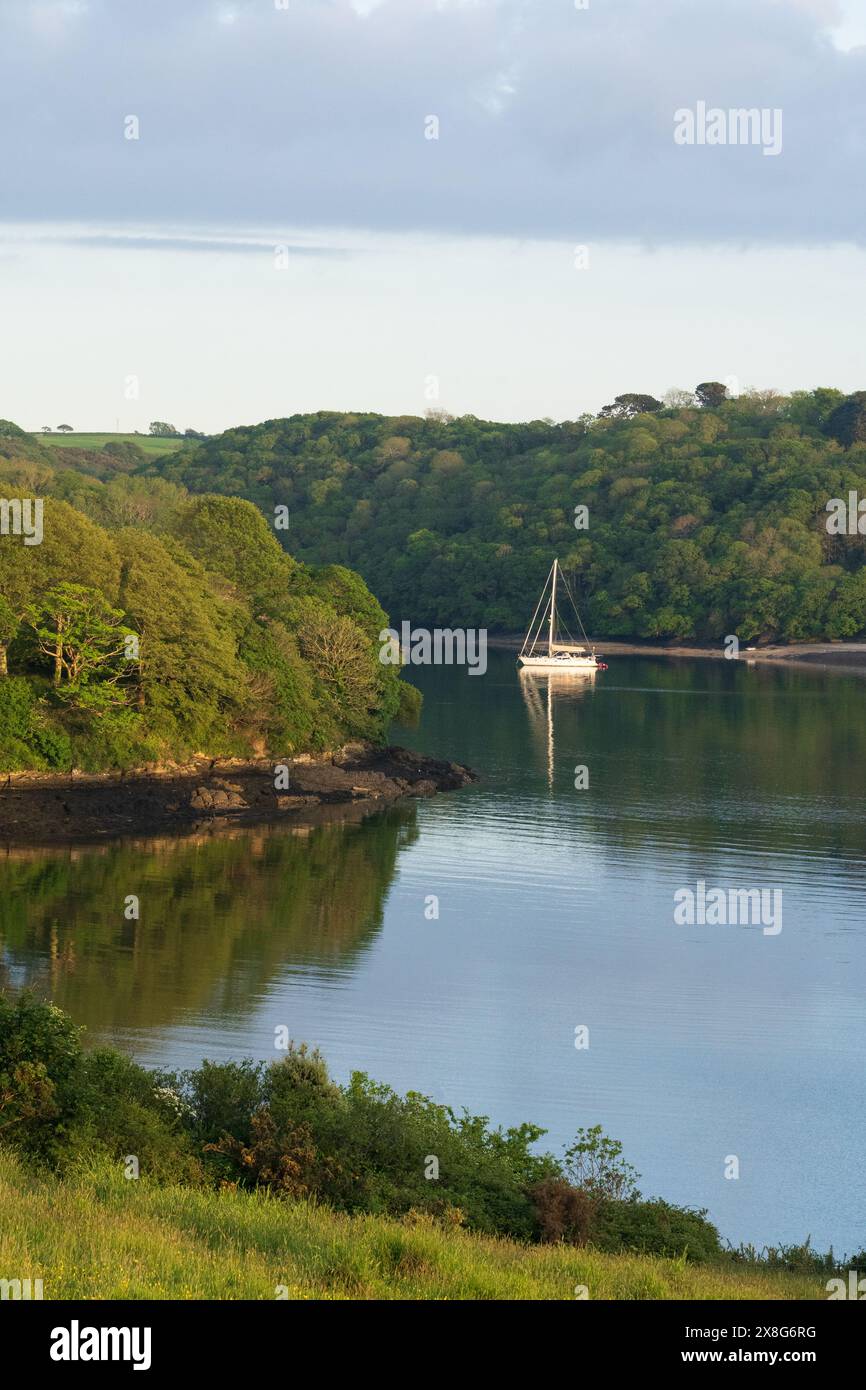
(552, 610)
(529, 640)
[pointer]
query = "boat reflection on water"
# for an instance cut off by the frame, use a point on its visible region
(541, 691)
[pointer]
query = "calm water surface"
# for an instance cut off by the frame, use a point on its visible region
(555, 910)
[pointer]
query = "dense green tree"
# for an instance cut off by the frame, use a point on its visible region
(232, 538)
(847, 422)
(711, 394)
(188, 675)
(73, 549)
(207, 636)
(632, 403)
(83, 636)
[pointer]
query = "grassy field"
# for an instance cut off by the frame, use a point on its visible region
(97, 1235)
(151, 444)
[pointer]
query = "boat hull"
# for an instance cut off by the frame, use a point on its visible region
(558, 663)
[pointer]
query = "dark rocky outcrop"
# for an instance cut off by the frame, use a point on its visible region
(44, 808)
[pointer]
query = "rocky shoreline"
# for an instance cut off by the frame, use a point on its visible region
(52, 808)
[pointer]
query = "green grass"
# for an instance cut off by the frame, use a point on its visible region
(98, 1236)
(151, 444)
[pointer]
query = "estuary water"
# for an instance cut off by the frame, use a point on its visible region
(513, 948)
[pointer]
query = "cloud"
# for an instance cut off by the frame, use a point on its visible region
(553, 121)
(152, 240)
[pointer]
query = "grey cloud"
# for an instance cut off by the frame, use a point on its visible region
(554, 121)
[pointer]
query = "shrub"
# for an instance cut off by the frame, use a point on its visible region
(284, 1160)
(563, 1212)
(656, 1228)
(124, 1110)
(40, 1051)
(221, 1098)
(17, 702)
(595, 1163)
(53, 746)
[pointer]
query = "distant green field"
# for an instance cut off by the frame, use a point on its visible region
(150, 443)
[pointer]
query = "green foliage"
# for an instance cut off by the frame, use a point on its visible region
(8, 622)
(289, 1129)
(363, 1147)
(595, 1163)
(27, 737)
(629, 404)
(40, 1052)
(166, 626)
(656, 1228)
(123, 1110)
(847, 422)
(17, 706)
(84, 637)
(702, 521)
(222, 1096)
(795, 1259)
(711, 394)
(124, 454)
(9, 430)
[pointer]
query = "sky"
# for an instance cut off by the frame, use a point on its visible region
(223, 211)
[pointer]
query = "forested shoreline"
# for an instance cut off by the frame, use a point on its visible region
(215, 598)
(147, 625)
(703, 517)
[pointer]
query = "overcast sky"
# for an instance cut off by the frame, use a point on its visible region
(282, 235)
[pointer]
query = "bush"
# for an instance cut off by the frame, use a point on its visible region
(285, 1160)
(221, 1098)
(17, 702)
(53, 746)
(595, 1163)
(563, 1212)
(290, 1129)
(40, 1051)
(656, 1228)
(114, 739)
(365, 1148)
(124, 1111)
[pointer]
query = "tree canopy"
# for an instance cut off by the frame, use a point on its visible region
(161, 625)
(703, 520)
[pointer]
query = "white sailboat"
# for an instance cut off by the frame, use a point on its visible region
(543, 649)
